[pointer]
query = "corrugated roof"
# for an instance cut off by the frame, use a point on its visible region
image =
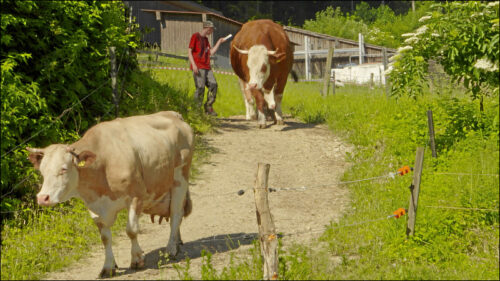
(195, 13)
(289, 28)
(329, 37)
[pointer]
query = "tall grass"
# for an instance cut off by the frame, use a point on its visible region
(40, 241)
(448, 243)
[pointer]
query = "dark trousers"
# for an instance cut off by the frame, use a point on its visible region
(205, 78)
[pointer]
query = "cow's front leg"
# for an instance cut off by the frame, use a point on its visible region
(249, 103)
(109, 267)
(176, 211)
(261, 116)
(137, 260)
(277, 112)
(250, 114)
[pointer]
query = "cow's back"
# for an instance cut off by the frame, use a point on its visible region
(139, 150)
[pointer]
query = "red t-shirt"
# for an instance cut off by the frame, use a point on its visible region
(201, 51)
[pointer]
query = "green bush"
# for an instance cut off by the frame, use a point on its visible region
(55, 78)
(467, 50)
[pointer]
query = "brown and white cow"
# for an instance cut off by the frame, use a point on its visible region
(141, 163)
(262, 56)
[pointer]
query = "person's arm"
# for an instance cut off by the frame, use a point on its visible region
(191, 60)
(216, 47)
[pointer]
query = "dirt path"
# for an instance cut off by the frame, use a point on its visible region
(299, 154)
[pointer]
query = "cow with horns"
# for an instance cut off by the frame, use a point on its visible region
(141, 163)
(262, 57)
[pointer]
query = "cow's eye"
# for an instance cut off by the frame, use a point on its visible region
(63, 170)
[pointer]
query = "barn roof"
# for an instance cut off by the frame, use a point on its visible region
(194, 13)
(329, 37)
(288, 28)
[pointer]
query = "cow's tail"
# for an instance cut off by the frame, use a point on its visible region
(294, 75)
(188, 204)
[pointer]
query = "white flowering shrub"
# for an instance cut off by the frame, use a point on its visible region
(462, 37)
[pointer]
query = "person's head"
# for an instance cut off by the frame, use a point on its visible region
(208, 27)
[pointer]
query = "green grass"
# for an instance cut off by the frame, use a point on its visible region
(36, 242)
(448, 244)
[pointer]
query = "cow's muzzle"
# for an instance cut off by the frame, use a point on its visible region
(43, 200)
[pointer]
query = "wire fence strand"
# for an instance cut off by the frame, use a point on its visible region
(461, 208)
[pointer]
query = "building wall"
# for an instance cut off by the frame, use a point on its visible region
(177, 30)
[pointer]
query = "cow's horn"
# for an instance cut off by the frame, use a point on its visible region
(245, 52)
(272, 53)
(35, 150)
(72, 151)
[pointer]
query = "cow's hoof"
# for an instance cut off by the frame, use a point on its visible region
(137, 264)
(107, 272)
(172, 250)
(262, 126)
(280, 122)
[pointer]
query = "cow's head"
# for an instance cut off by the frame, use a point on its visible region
(59, 165)
(259, 69)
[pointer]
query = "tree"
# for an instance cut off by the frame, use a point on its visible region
(55, 75)
(468, 49)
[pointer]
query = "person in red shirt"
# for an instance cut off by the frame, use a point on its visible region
(199, 58)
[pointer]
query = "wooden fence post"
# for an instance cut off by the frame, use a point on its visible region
(371, 81)
(267, 231)
(431, 132)
(333, 82)
(415, 189)
(306, 58)
(384, 53)
(112, 56)
(328, 67)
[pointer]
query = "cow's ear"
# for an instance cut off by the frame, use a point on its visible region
(86, 158)
(35, 156)
(276, 58)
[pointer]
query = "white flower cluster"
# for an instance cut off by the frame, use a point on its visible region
(424, 18)
(486, 64)
(395, 57)
(411, 40)
(404, 49)
(435, 34)
(493, 4)
(421, 29)
(389, 70)
(408, 35)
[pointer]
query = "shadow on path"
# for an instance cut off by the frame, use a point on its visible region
(192, 250)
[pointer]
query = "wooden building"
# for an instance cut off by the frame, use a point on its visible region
(173, 22)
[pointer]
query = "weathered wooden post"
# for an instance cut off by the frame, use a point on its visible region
(386, 81)
(415, 189)
(112, 56)
(333, 82)
(371, 81)
(267, 231)
(328, 67)
(431, 132)
(306, 58)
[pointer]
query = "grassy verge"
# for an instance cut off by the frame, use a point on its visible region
(49, 239)
(364, 244)
(448, 244)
